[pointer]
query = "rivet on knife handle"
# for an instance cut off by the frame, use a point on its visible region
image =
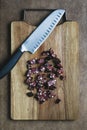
(35, 40)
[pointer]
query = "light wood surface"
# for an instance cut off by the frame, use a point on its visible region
(64, 40)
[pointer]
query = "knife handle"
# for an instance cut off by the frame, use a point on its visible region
(5, 70)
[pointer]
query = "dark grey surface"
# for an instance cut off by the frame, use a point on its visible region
(11, 10)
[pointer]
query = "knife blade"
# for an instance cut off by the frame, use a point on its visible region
(35, 40)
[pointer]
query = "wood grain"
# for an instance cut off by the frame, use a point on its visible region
(64, 40)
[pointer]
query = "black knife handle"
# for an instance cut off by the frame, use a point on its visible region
(5, 70)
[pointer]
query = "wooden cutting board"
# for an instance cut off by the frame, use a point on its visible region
(64, 41)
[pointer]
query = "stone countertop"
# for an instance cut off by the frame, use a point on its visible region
(12, 11)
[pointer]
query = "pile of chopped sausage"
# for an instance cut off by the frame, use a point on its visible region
(42, 74)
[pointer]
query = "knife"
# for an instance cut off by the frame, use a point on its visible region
(35, 40)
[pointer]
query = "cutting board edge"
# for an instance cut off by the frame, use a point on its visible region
(13, 22)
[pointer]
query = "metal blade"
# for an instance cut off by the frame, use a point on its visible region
(41, 33)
